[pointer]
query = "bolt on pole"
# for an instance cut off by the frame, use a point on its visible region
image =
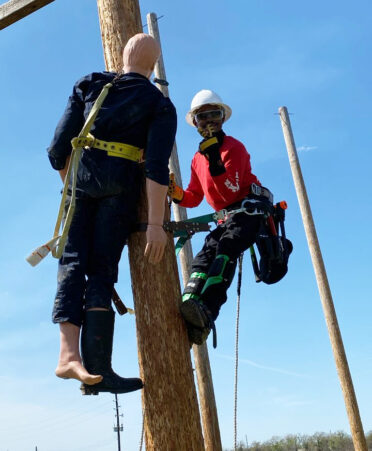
(324, 288)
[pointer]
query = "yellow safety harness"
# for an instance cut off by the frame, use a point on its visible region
(113, 149)
(85, 139)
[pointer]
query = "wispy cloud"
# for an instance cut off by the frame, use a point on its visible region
(306, 148)
(291, 401)
(264, 367)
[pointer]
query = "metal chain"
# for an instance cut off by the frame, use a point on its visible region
(237, 349)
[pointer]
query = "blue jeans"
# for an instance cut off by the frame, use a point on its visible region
(88, 267)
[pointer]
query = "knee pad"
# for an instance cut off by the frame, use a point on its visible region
(220, 273)
(194, 286)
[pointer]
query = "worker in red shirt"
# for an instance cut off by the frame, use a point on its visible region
(220, 171)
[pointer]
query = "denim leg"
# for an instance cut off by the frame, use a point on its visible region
(114, 220)
(68, 305)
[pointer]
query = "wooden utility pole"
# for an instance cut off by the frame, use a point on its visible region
(14, 10)
(208, 408)
(172, 420)
(324, 289)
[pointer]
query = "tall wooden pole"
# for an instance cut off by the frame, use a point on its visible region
(208, 408)
(172, 420)
(324, 289)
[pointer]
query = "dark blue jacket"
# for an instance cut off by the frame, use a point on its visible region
(134, 112)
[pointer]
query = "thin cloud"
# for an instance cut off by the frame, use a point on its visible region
(306, 148)
(264, 367)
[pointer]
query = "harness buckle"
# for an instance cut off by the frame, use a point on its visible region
(221, 215)
(262, 191)
(250, 209)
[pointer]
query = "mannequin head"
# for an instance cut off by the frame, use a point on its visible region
(140, 54)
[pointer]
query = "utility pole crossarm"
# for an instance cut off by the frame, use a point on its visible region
(14, 10)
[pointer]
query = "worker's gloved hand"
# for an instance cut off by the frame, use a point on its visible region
(210, 148)
(156, 240)
(174, 191)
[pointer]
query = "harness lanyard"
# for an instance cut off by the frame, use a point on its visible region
(73, 168)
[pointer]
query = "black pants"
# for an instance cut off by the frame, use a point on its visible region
(231, 238)
(88, 267)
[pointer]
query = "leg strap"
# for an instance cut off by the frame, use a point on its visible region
(194, 286)
(221, 271)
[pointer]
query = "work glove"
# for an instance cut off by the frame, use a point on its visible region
(210, 148)
(174, 191)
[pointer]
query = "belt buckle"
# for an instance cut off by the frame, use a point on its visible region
(250, 201)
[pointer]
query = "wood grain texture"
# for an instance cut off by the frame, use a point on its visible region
(172, 419)
(207, 401)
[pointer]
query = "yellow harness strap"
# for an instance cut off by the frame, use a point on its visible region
(73, 169)
(113, 149)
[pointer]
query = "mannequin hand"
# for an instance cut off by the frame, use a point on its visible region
(156, 241)
(174, 191)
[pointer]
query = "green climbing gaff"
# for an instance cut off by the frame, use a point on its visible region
(184, 236)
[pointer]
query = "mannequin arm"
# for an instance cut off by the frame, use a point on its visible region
(155, 234)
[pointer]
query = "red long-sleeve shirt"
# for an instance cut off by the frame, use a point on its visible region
(225, 189)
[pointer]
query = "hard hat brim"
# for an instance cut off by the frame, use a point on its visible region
(190, 114)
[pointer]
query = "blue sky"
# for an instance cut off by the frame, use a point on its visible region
(258, 55)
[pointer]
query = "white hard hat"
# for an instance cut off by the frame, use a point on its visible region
(206, 97)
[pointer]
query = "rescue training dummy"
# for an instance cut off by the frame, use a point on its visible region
(136, 115)
(220, 171)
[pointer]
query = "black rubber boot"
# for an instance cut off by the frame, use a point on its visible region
(96, 349)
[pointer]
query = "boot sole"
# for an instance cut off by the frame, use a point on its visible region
(197, 335)
(91, 390)
(191, 313)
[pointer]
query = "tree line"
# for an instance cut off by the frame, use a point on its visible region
(334, 441)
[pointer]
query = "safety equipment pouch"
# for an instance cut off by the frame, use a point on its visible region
(274, 250)
(274, 253)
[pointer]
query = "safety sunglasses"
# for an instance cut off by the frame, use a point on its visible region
(209, 115)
